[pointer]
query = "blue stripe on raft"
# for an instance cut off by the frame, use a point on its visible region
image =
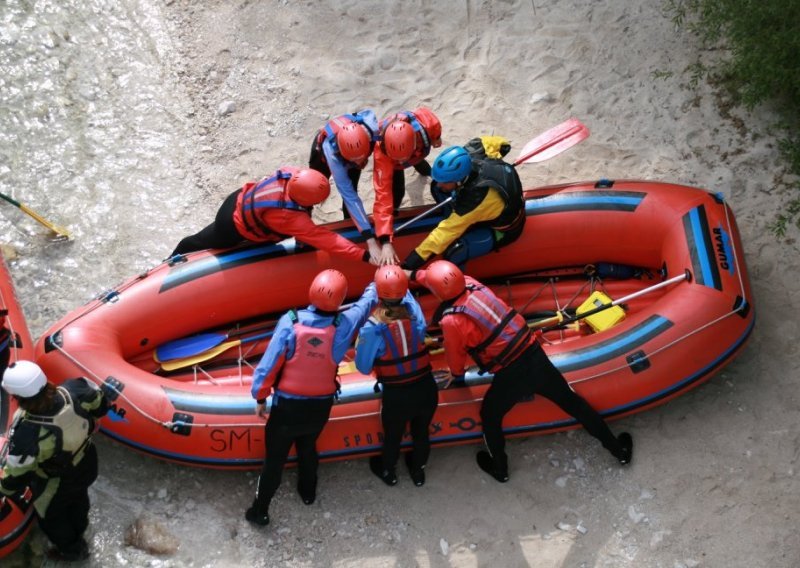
(195, 269)
(183, 458)
(210, 404)
(698, 238)
(242, 405)
(558, 202)
(585, 201)
(607, 350)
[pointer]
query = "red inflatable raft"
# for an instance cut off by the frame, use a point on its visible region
(687, 311)
(16, 514)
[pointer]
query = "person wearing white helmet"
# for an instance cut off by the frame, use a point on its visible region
(50, 452)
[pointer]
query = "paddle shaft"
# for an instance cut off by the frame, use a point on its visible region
(424, 214)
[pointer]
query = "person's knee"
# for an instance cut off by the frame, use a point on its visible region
(471, 244)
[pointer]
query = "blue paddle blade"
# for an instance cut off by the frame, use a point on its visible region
(189, 346)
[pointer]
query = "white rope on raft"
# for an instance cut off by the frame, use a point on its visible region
(662, 348)
(169, 424)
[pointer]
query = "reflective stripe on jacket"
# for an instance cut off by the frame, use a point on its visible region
(405, 359)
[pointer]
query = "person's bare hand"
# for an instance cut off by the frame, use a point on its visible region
(388, 255)
(374, 252)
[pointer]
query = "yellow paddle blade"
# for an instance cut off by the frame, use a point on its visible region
(175, 364)
(60, 231)
(346, 367)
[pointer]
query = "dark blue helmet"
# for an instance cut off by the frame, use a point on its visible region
(452, 165)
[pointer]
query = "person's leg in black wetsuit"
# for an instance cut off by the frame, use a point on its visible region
(426, 397)
(551, 384)
(221, 233)
(398, 189)
(314, 416)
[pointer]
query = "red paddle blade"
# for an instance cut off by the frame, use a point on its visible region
(553, 142)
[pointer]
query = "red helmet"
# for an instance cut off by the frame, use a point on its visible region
(308, 187)
(445, 279)
(430, 122)
(328, 290)
(391, 282)
(399, 140)
(354, 142)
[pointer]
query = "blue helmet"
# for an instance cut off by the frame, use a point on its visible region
(452, 165)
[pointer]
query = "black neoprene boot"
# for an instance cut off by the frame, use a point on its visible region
(257, 515)
(388, 476)
(308, 491)
(417, 473)
(487, 464)
(74, 553)
(625, 454)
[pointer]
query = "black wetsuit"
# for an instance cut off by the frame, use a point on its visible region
(529, 374)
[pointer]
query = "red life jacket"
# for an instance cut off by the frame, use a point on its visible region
(405, 359)
(311, 370)
(505, 333)
(423, 143)
(257, 198)
(333, 127)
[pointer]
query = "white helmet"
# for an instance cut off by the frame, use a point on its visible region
(24, 379)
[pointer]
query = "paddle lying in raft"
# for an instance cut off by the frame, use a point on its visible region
(210, 353)
(545, 146)
(197, 344)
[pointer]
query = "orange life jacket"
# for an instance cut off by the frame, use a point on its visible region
(505, 333)
(256, 198)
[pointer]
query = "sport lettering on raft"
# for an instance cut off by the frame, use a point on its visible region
(368, 438)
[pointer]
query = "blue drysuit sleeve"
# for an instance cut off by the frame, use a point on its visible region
(370, 346)
(351, 320)
(349, 193)
(280, 348)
